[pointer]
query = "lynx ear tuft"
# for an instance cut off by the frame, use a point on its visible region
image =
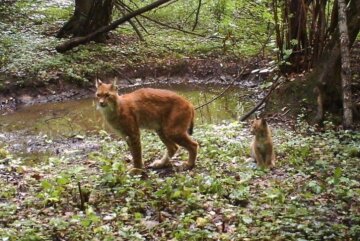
(113, 85)
(98, 82)
(115, 80)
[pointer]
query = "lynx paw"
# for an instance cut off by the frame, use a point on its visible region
(160, 164)
(187, 167)
(136, 171)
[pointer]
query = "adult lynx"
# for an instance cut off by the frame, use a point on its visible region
(170, 115)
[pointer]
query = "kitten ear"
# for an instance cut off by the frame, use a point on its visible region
(263, 122)
(98, 82)
(113, 85)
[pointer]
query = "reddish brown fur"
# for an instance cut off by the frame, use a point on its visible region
(169, 114)
(262, 149)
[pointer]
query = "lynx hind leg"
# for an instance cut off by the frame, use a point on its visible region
(190, 145)
(272, 160)
(171, 149)
(269, 159)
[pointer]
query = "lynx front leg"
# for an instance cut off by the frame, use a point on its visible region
(135, 149)
(259, 157)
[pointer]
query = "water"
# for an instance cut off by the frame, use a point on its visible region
(80, 116)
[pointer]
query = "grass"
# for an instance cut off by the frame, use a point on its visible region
(312, 194)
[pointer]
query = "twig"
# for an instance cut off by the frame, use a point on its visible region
(221, 94)
(257, 106)
(284, 114)
(123, 11)
(163, 6)
(123, 76)
(197, 16)
(171, 27)
(238, 75)
(189, 16)
(167, 25)
(226, 89)
(121, 3)
(82, 201)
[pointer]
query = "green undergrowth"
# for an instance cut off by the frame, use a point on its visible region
(312, 194)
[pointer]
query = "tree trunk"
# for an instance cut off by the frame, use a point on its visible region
(327, 70)
(89, 15)
(103, 30)
(345, 66)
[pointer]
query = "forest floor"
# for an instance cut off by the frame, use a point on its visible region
(313, 193)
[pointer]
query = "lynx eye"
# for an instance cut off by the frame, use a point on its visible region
(98, 95)
(107, 95)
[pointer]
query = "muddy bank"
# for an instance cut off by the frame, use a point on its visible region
(190, 71)
(34, 149)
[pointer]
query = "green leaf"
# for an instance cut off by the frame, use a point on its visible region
(247, 219)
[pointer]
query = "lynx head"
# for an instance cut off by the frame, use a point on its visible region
(258, 126)
(106, 94)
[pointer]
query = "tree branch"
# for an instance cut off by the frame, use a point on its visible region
(123, 11)
(257, 106)
(121, 3)
(81, 40)
(197, 16)
(167, 25)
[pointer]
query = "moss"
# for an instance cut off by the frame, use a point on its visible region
(3, 153)
(56, 14)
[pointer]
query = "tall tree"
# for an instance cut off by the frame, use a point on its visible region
(89, 15)
(307, 35)
(105, 29)
(345, 66)
(327, 70)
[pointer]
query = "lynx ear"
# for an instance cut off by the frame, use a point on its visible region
(98, 82)
(113, 85)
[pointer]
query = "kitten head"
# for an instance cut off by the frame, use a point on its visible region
(258, 126)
